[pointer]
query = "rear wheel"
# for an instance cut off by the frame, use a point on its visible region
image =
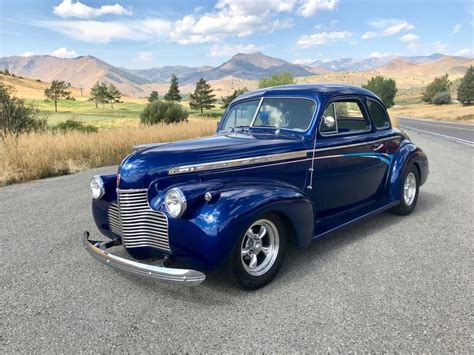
(408, 192)
(258, 254)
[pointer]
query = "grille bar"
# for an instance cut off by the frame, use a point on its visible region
(137, 224)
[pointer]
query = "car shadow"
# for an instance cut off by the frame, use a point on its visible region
(218, 290)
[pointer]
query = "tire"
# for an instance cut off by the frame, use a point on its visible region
(258, 255)
(411, 182)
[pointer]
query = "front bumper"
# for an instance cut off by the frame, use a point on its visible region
(162, 273)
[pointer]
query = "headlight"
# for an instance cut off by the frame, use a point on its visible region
(97, 187)
(175, 203)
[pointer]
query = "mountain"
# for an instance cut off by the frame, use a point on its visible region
(253, 66)
(350, 64)
(81, 72)
(163, 74)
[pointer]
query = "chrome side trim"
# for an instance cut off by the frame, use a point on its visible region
(159, 272)
(236, 162)
(264, 159)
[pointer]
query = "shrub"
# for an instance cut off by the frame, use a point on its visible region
(385, 88)
(71, 125)
(442, 98)
(466, 88)
(163, 112)
(276, 79)
(16, 117)
(439, 84)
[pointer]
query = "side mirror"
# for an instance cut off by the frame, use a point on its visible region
(329, 121)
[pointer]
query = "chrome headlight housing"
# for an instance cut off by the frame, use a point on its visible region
(175, 202)
(97, 187)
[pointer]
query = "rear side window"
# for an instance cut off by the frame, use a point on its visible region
(349, 118)
(377, 112)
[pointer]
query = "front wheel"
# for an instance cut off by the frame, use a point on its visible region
(258, 254)
(408, 192)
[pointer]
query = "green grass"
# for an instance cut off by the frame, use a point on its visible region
(85, 111)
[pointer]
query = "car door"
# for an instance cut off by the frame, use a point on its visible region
(348, 170)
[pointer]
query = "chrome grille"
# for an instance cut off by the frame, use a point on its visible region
(137, 223)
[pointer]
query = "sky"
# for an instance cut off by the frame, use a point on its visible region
(153, 33)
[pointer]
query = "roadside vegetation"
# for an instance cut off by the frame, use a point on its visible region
(65, 129)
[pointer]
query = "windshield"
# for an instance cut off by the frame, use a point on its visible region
(285, 113)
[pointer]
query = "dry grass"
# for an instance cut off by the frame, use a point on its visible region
(40, 155)
(452, 112)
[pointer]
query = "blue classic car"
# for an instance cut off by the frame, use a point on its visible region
(287, 164)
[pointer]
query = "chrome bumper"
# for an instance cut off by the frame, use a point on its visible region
(162, 273)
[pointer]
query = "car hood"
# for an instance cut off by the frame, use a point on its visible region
(150, 162)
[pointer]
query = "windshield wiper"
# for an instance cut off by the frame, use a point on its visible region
(233, 129)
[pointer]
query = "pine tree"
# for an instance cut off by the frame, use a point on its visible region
(59, 90)
(99, 94)
(153, 96)
(228, 99)
(466, 88)
(173, 93)
(113, 94)
(203, 97)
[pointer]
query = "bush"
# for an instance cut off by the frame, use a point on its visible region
(16, 117)
(466, 88)
(442, 98)
(439, 84)
(385, 88)
(163, 112)
(282, 78)
(71, 125)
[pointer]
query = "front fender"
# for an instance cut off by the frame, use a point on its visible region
(407, 154)
(206, 237)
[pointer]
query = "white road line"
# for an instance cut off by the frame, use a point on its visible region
(428, 121)
(459, 140)
(446, 126)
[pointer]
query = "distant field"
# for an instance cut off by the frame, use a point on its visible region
(454, 112)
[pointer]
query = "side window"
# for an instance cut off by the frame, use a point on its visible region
(348, 118)
(377, 112)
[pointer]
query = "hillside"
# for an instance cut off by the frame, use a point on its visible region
(81, 72)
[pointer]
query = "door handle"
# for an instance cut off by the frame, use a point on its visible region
(377, 146)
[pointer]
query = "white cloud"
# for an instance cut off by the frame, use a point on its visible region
(409, 37)
(63, 53)
(304, 61)
(28, 54)
(143, 57)
(439, 46)
(369, 34)
(258, 7)
(309, 7)
(68, 8)
(219, 50)
(468, 52)
(307, 41)
(413, 46)
(379, 55)
(396, 28)
(104, 32)
(456, 28)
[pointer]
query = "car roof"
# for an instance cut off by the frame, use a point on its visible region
(309, 90)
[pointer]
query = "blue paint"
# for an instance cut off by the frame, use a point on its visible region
(352, 179)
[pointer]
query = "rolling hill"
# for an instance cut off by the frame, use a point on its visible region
(239, 71)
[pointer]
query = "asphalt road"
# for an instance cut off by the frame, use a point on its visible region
(389, 284)
(461, 133)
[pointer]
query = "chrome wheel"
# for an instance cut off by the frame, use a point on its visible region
(409, 189)
(259, 248)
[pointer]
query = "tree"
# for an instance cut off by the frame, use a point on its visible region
(276, 79)
(203, 97)
(173, 92)
(113, 95)
(385, 88)
(228, 99)
(16, 117)
(99, 94)
(439, 84)
(59, 90)
(466, 88)
(153, 96)
(163, 112)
